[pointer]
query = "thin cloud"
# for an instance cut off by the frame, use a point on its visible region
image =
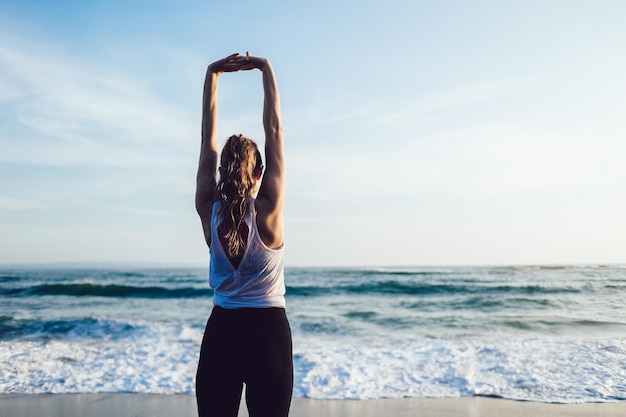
(339, 110)
(16, 203)
(77, 109)
(468, 162)
(443, 101)
(143, 212)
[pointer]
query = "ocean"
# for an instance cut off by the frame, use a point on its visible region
(539, 333)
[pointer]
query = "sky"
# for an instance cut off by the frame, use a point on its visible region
(416, 132)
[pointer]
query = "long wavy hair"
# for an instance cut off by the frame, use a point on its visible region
(240, 165)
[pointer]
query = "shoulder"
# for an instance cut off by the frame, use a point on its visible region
(269, 222)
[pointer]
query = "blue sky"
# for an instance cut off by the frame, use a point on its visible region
(417, 133)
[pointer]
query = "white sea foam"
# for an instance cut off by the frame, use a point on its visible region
(536, 369)
(164, 362)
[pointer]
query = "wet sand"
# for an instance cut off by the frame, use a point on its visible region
(141, 405)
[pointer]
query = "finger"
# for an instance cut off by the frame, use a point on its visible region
(232, 57)
(248, 53)
(241, 61)
(236, 66)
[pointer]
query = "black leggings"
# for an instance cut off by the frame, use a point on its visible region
(251, 346)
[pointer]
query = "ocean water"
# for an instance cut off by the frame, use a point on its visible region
(549, 334)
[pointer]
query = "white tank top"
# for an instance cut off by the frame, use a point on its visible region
(258, 281)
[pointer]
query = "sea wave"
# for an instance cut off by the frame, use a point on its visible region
(390, 287)
(534, 333)
(79, 329)
(537, 369)
(425, 288)
(110, 290)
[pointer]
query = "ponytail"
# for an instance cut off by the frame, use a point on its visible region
(239, 163)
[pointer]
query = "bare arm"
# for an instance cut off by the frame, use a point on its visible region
(206, 185)
(271, 197)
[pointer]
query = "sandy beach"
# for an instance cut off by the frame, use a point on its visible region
(141, 405)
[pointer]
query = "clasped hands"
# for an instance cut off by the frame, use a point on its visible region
(236, 62)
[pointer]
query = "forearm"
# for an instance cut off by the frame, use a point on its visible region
(207, 165)
(271, 103)
(209, 110)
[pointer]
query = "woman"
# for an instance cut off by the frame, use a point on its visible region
(247, 337)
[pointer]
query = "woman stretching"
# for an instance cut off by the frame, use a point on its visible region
(247, 338)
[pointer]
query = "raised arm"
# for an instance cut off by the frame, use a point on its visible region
(271, 198)
(206, 185)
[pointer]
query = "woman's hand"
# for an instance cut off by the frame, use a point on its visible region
(257, 62)
(231, 63)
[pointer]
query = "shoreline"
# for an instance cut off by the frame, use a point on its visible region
(154, 405)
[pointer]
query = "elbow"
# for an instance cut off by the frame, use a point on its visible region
(199, 205)
(274, 129)
(204, 203)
